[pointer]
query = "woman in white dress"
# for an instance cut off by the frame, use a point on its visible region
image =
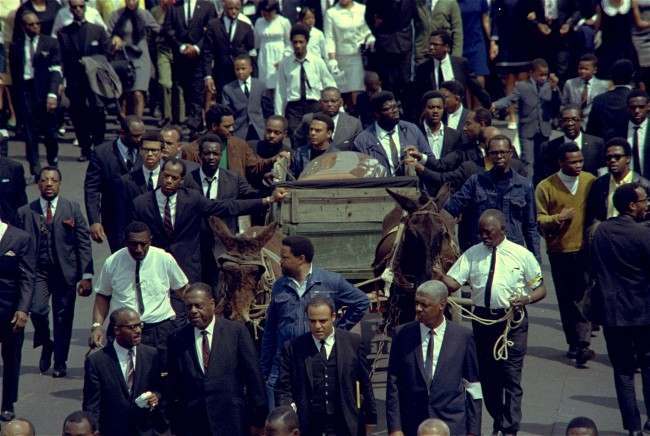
(316, 44)
(271, 41)
(346, 32)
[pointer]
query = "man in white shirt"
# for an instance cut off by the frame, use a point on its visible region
(301, 78)
(442, 140)
(637, 131)
(139, 277)
(502, 275)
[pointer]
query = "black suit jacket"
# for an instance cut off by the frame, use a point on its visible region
(390, 23)
(191, 209)
(424, 80)
(177, 32)
(46, 57)
(597, 199)
(12, 189)
(409, 401)
(219, 49)
(101, 193)
(295, 384)
(592, 151)
(127, 188)
(232, 392)
(107, 398)
(76, 42)
(609, 113)
(17, 262)
(72, 247)
(621, 131)
(450, 142)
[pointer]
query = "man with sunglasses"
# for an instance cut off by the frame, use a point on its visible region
(600, 207)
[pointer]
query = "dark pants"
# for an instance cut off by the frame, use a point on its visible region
(156, 335)
(628, 349)
(531, 149)
(395, 71)
(88, 117)
(328, 425)
(12, 346)
(50, 282)
(501, 379)
(569, 272)
(189, 74)
(36, 121)
(294, 111)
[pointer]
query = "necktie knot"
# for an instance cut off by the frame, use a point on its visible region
(130, 353)
(204, 333)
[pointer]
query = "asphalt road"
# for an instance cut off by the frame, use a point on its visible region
(554, 391)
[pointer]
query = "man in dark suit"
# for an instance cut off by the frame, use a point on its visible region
(79, 39)
(636, 131)
(226, 38)
(122, 382)
(325, 374)
(443, 67)
(108, 163)
(608, 114)
(184, 30)
(16, 289)
(320, 142)
(455, 112)
(215, 385)
(620, 248)
(591, 146)
(244, 98)
(12, 189)
(35, 64)
(60, 241)
(441, 139)
(387, 139)
(432, 370)
(346, 127)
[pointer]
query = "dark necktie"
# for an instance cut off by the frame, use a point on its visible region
(48, 213)
(167, 219)
(490, 279)
(323, 351)
(130, 370)
(150, 181)
(31, 55)
(209, 181)
(205, 350)
(394, 154)
(635, 150)
(303, 81)
(584, 97)
(230, 26)
(138, 287)
(440, 77)
(428, 362)
(130, 159)
(188, 13)
(246, 91)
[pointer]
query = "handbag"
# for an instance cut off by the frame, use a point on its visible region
(125, 70)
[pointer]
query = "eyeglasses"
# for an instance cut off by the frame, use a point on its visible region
(132, 327)
(614, 156)
(642, 200)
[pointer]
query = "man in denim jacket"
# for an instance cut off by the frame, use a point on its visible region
(286, 317)
(499, 188)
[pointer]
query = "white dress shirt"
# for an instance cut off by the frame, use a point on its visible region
(384, 139)
(288, 88)
(161, 200)
(3, 230)
(204, 185)
(154, 175)
(125, 153)
(550, 9)
(233, 29)
(569, 182)
(198, 341)
(643, 128)
(159, 273)
(453, 120)
(335, 120)
(123, 358)
(447, 70)
(435, 139)
(516, 272)
(248, 82)
(28, 70)
(300, 288)
(438, 335)
(577, 140)
(53, 204)
(329, 344)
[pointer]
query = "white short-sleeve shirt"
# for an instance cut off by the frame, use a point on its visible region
(516, 272)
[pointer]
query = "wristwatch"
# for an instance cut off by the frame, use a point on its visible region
(95, 325)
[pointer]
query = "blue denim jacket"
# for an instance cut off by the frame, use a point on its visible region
(479, 193)
(286, 318)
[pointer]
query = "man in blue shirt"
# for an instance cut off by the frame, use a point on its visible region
(286, 317)
(499, 188)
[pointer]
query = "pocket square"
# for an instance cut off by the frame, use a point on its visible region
(10, 253)
(94, 43)
(5, 181)
(69, 222)
(45, 53)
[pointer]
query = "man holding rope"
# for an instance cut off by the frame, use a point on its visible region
(504, 277)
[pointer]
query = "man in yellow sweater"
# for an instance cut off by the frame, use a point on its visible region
(561, 208)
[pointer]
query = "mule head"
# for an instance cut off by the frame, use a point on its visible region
(242, 245)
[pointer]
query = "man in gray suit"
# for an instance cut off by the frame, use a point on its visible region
(61, 243)
(583, 89)
(346, 127)
(244, 98)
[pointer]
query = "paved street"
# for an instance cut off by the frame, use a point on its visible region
(554, 391)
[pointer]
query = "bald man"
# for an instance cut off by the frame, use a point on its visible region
(18, 427)
(433, 427)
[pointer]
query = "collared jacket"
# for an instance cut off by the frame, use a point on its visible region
(479, 193)
(286, 317)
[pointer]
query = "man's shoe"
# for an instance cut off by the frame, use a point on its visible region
(7, 415)
(584, 355)
(82, 159)
(46, 357)
(646, 427)
(635, 433)
(59, 371)
(573, 352)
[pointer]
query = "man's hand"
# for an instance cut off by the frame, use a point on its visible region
(283, 154)
(564, 29)
(153, 400)
(97, 232)
(413, 152)
(19, 320)
(116, 43)
(84, 288)
(519, 302)
(414, 163)
(437, 273)
(544, 29)
(494, 50)
(190, 51)
(566, 214)
(278, 195)
(50, 104)
(96, 339)
(210, 86)
(553, 80)
(532, 16)
(493, 109)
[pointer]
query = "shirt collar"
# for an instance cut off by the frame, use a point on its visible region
(438, 331)
(162, 197)
(305, 59)
(295, 282)
(444, 60)
(381, 133)
(155, 171)
(577, 139)
(203, 175)
(124, 150)
(627, 179)
(209, 328)
(438, 132)
(54, 202)
(329, 341)
(567, 178)
(121, 351)
(642, 126)
(246, 82)
(3, 228)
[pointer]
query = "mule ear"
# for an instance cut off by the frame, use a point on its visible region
(443, 195)
(265, 235)
(405, 202)
(221, 231)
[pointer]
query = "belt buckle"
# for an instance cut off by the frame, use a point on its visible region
(495, 312)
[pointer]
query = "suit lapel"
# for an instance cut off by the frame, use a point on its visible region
(139, 371)
(442, 357)
(118, 155)
(217, 334)
(308, 360)
(115, 364)
(417, 337)
(153, 204)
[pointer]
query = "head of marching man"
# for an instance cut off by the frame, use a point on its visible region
(322, 316)
(430, 302)
(492, 227)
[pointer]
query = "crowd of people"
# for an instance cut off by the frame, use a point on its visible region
(215, 100)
